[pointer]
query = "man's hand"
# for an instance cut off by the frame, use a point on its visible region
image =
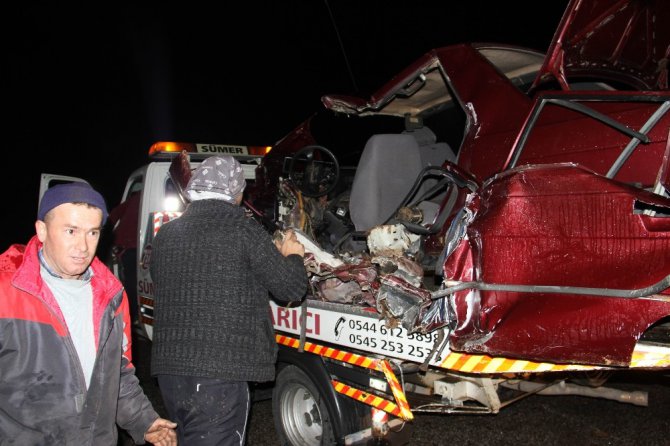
(289, 244)
(162, 433)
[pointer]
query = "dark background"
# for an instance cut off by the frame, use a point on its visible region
(87, 88)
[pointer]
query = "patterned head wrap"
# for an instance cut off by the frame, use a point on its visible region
(218, 178)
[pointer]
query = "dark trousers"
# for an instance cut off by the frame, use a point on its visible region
(207, 411)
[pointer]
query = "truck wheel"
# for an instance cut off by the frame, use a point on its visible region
(301, 416)
(300, 412)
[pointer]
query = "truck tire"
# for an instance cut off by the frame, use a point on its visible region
(301, 414)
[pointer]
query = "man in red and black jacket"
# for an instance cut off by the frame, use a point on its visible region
(66, 375)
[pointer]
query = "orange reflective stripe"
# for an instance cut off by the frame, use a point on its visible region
(644, 356)
(340, 355)
(401, 409)
(367, 398)
(397, 390)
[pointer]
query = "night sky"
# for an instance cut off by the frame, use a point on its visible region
(87, 89)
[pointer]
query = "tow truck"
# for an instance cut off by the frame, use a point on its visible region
(346, 373)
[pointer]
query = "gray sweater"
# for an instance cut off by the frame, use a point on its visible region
(213, 270)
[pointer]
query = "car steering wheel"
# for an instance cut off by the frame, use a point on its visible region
(314, 170)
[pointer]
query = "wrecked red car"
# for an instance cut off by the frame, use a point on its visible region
(519, 199)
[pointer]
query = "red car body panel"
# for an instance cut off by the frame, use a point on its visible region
(568, 227)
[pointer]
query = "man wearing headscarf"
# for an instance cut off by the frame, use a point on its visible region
(214, 270)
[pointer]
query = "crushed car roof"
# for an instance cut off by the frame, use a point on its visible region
(621, 40)
(600, 40)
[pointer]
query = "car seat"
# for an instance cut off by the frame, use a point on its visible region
(433, 153)
(387, 169)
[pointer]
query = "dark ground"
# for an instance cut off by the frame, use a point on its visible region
(537, 420)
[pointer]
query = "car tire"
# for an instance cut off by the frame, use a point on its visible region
(301, 414)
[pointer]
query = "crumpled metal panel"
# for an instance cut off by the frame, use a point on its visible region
(335, 290)
(353, 283)
(389, 281)
(559, 225)
(401, 302)
(402, 267)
